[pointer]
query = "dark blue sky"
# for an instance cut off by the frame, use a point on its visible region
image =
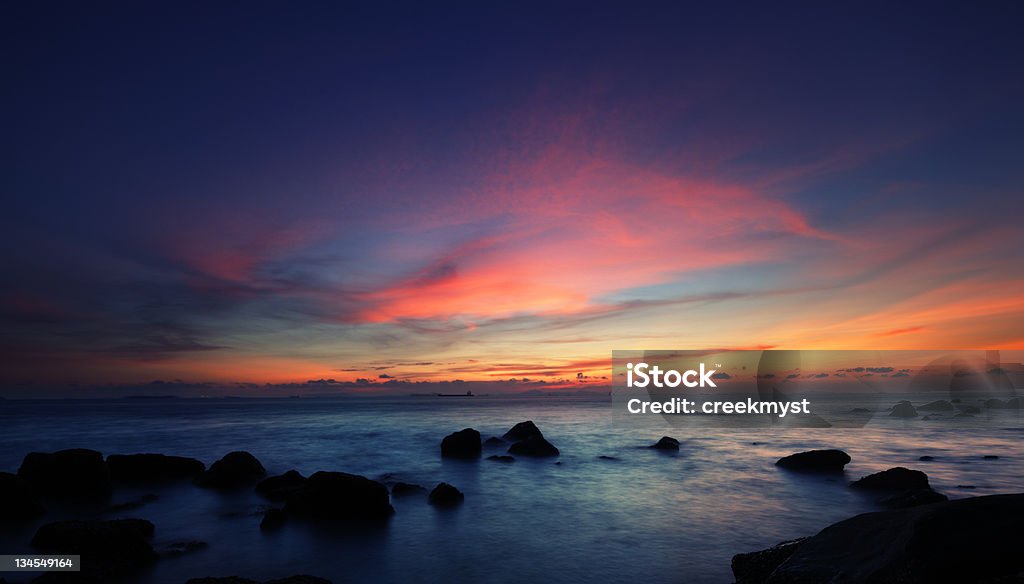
(276, 191)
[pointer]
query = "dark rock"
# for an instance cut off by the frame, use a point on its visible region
(666, 443)
(977, 540)
(859, 411)
(279, 487)
(1013, 404)
(273, 519)
(339, 495)
(926, 458)
(605, 457)
(222, 580)
(17, 501)
(903, 409)
(937, 406)
(913, 498)
(523, 431)
(755, 567)
(180, 548)
(136, 503)
(501, 458)
(494, 441)
(461, 444)
(76, 474)
(893, 479)
(300, 579)
(970, 410)
(445, 495)
(964, 415)
(815, 460)
(406, 489)
(109, 549)
(995, 404)
(234, 470)
(535, 446)
(990, 457)
(151, 468)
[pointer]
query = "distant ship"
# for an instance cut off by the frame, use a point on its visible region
(467, 394)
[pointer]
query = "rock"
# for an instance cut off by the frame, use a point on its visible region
(990, 457)
(152, 468)
(17, 501)
(273, 520)
(815, 460)
(1013, 404)
(179, 548)
(339, 495)
(926, 458)
(535, 446)
(234, 470)
(279, 487)
(666, 443)
(133, 504)
(903, 409)
(976, 540)
(937, 406)
(461, 444)
(445, 495)
(964, 415)
(76, 474)
(501, 458)
(494, 441)
(523, 431)
(893, 479)
(913, 498)
(857, 411)
(222, 580)
(755, 567)
(970, 410)
(407, 489)
(109, 549)
(606, 457)
(300, 579)
(995, 404)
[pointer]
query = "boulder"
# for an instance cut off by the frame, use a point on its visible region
(407, 489)
(893, 479)
(523, 431)
(339, 495)
(17, 501)
(976, 540)
(76, 474)
(445, 495)
(937, 406)
(815, 460)
(666, 443)
(273, 520)
(279, 487)
(903, 409)
(109, 549)
(926, 458)
(501, 458)
(755, 567)
(461, 444)
(535, 446)
(151, 468)
(234, 470)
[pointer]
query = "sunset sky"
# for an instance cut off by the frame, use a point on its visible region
(277, 192)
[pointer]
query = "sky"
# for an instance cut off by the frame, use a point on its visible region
(250, 192)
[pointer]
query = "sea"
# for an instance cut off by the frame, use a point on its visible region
(608, 509)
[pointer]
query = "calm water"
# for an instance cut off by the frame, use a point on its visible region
(647, 516)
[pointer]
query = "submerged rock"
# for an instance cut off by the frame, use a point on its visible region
(893, 479)
(279, 487)
(109, 549)
(968, 540)
(179, 548)
(494, 441)
(903, 409)
(76, 474)
(926, 458)
(523, 431)
(461, 444)
(666, 443)
(17, 501)
(406, 489)
(501, 458)
(299, 579)
(273, 520)
(234, 470)
(970, 410)
(339, 495)
(937, 406)
(151, 468)
(995, 404)
(815, 460)
(912, 498)
(535, 446)
(445, 495)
